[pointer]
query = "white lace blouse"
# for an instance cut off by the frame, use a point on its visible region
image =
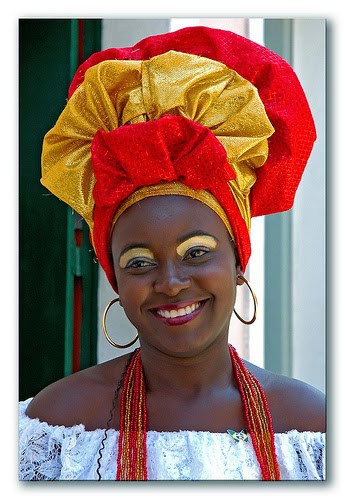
(55, 452)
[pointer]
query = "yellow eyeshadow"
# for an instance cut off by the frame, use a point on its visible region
(133, 253)
(196, 241)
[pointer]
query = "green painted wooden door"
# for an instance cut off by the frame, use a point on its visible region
(49, 50)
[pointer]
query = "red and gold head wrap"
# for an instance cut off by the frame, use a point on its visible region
(199, 112)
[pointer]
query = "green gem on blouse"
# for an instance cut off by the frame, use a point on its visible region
(238, 436)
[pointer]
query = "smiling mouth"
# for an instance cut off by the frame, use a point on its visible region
(179, 315)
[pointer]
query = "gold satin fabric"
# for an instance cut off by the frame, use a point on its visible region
(168, 188)
(116, 93)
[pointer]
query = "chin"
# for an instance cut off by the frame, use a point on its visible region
(188, 345)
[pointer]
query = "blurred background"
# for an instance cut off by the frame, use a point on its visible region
(62, 290)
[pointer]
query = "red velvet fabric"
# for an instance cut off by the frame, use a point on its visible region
(172, 148)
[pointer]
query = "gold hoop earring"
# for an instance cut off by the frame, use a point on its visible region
(114, 344)
(239, 276)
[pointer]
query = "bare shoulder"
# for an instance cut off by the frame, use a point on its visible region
(84, 397)
(293, 404)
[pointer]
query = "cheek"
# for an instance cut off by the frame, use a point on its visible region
(223, 279)
(218, 281)
(224, 268)
(133, 293)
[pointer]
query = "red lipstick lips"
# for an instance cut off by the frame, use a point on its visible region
(191, 310)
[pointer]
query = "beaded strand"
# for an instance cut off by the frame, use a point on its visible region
(268, 424)
(251, 413)
(128, 422)
(258, 418)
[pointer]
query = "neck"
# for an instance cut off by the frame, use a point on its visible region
(208, 370)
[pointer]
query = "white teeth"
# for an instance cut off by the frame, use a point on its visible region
(179, 312)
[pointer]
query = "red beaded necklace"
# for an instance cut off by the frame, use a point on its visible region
(131, 461)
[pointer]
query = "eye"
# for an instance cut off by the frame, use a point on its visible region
(139, 264)
(194, 253)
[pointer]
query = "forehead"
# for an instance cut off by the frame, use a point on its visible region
(165, 218)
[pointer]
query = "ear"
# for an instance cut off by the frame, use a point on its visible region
(239, 272)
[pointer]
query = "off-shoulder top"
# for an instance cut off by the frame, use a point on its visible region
(55, 452)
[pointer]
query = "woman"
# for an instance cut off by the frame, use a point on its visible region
(167, 153)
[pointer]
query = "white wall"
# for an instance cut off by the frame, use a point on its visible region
(127, 32)
(309, 218)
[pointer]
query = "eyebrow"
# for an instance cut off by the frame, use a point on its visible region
(132, 246)
(195, 233)
(135, 252)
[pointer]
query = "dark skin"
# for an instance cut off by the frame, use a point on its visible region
(161, 263)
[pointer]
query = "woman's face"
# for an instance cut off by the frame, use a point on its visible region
(176, 273)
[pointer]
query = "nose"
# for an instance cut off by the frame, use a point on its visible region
(171, 280)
